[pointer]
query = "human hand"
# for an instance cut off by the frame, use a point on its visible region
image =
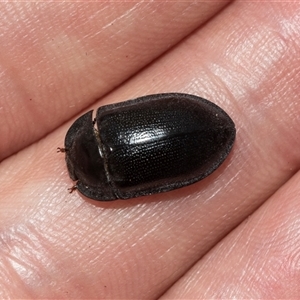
(233, 235)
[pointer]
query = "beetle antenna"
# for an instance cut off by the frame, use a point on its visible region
(63, 150)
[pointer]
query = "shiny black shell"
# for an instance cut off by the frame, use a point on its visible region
(148, 145)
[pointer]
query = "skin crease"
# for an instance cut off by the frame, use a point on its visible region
(235, 234)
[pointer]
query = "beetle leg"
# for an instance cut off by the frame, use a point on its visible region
(72, 189)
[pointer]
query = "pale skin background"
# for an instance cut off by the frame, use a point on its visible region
(236, 234)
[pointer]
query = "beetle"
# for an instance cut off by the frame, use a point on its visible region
(147, 145)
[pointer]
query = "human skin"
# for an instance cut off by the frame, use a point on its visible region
(236, 234)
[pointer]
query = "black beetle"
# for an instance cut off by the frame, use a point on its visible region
(148, 145)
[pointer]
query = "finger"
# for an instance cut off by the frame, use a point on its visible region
(258, 260)
(57, 58)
